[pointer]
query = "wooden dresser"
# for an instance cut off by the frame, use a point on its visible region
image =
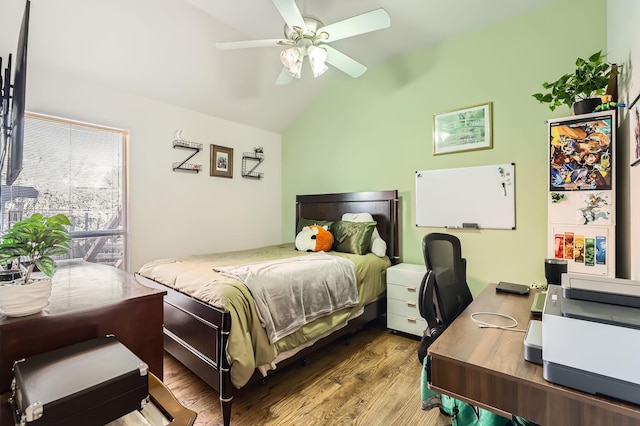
(87, 300)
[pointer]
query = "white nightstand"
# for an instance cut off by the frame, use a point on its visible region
(403, 283)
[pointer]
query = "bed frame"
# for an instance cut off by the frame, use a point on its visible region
(196, 333)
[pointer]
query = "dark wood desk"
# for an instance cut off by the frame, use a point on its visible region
(87, 300)
(486, 367)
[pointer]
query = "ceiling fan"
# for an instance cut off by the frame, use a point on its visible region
(306, 36)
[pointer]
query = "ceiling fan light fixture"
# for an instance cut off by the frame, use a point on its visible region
(290, 56)
(308, 36)
(317, 58)
(292, 59)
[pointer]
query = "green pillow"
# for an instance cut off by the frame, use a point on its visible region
(302, 222)
(352, 237)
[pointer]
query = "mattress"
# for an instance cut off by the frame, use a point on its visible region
(248, 346)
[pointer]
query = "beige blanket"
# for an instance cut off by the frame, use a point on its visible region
(248, 345)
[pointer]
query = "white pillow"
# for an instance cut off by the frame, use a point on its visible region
(377, 245)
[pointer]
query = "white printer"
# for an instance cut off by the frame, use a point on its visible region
(591, 336)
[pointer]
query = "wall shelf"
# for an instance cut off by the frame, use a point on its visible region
(188, 167)
(192, 146)
(254, 158)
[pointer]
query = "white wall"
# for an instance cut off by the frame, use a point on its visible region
(175, 213)
(170, 213)
(623, 47)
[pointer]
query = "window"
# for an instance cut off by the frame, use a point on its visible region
(79, 170)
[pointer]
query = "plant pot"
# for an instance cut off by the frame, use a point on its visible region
(22, 300)
(586, 106)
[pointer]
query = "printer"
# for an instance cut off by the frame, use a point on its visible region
(591, 336)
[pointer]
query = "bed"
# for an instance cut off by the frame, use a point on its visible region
(210, 320)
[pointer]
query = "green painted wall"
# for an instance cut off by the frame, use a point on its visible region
(374, 132)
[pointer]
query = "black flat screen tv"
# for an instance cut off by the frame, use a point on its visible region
(15, 141)
(4, 105)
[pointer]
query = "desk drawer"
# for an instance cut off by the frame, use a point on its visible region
(402, 323)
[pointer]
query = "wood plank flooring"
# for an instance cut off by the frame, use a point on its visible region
(373, 380)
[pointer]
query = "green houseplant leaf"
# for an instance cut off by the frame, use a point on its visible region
(590, 79)
(33, 241)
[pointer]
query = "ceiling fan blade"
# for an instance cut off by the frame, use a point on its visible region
(275, 42)
(284, 77)
(290, 13)
(344, 63)
(360, 24)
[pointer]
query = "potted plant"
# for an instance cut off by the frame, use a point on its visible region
(31, 243)
(585, 85)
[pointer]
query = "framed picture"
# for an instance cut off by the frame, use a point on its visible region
(221, 161)
(581, 152)
(634, 130)
(465, 129)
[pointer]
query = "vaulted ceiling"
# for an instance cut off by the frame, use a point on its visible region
(165, 49)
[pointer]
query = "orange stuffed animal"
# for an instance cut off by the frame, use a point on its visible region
(314, 238)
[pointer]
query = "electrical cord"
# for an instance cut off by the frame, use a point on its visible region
(483, 324)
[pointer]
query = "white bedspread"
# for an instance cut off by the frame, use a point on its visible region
(290, 293)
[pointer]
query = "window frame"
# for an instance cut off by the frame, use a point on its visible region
(125, 134)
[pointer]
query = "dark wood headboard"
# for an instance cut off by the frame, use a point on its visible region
(383, 206)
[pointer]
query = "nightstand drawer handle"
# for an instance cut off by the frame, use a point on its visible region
(412, 289)
(412, 304)
(411, 319)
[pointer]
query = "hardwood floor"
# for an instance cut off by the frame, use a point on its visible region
(373, 380)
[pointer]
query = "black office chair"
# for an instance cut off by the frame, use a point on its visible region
(444, 292)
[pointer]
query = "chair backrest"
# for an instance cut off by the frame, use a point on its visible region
(444, 292)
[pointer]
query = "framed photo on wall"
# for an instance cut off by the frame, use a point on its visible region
(634, 130)
(221, 161)
(464, 129)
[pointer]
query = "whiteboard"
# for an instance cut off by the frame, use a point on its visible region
(481, 197)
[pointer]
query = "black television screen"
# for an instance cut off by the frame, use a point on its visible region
(4, 104)
(16, 135)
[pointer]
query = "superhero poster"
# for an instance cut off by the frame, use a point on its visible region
(580, 154)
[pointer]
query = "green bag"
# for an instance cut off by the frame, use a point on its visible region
(463, 414)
